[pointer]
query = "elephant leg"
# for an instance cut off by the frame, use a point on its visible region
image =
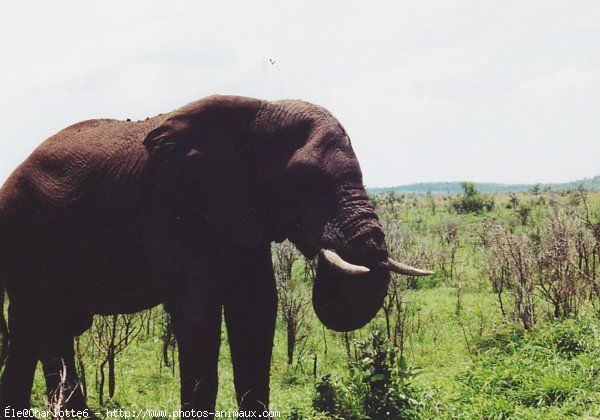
(62, 383)
(196, 320)
(250, 312)
(17, 378)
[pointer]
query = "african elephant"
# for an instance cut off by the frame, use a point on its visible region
(110, 217)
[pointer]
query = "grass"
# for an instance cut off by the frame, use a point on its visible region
(435, 342)
(551, 372)
(473, 363)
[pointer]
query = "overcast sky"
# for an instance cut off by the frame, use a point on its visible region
(428, 91)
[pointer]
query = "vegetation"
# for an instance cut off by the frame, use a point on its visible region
(379, 385)
(549, 373)
(487, 187)
(508, 327)
(472, 201)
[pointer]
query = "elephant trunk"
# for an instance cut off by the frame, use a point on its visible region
(358, 217)
(355, 230)
(352, 279)
(354, 266)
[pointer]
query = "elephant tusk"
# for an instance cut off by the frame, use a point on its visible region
(341, 265)
(407, 270)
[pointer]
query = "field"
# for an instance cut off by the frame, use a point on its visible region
(506, 328)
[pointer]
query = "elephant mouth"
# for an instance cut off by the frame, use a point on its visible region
(347, 296)
(345, 303)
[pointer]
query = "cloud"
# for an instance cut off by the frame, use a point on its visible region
(465, 86)
(567, 84)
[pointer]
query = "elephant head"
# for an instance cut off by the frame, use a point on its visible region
(288, 170)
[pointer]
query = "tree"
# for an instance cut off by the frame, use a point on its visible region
(536, 189)
(390, 199)
(472, 201)
(292, 303)
(169, 343)
(111, 335)
(431, 200)
(448, 233)
(510, 265)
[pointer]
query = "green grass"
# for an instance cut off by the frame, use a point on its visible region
(550, 373)
(473, 363)
(435, 342)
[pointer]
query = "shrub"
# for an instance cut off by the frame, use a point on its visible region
(387, 380)
(472, 201)
(380, 386)
(325, 400)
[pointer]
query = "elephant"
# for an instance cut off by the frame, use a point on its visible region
(110, 216)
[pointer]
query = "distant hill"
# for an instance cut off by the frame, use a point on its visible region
(485, 187)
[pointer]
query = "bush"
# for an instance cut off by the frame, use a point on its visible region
(472, 201)
(380, 386)
(326, 399)
(387, 380)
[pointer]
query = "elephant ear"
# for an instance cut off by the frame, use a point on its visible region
(202, 161)
(170, 141)
(201, 125)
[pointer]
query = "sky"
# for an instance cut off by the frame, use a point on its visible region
(496, 91)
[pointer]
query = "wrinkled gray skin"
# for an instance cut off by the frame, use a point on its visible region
(111, 217)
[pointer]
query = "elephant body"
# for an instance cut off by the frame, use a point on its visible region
(72, 227)
(110, 217)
